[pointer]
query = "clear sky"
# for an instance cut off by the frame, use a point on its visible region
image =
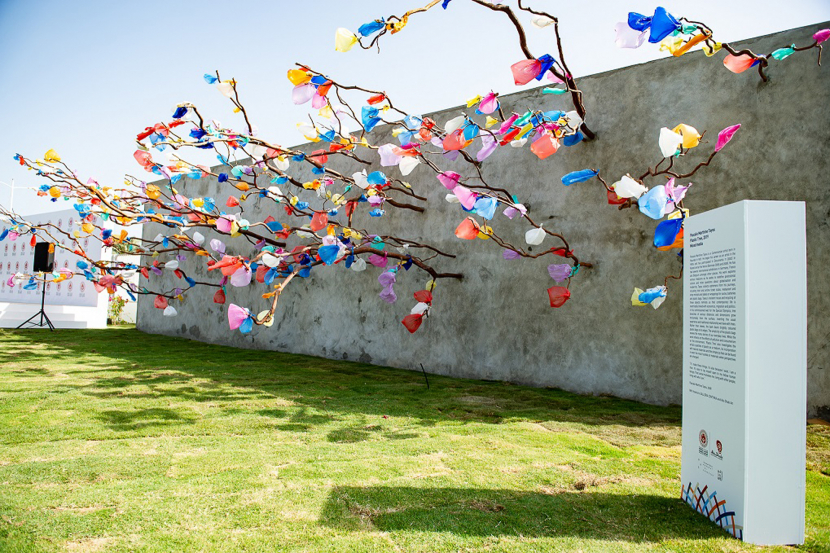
(85, 77)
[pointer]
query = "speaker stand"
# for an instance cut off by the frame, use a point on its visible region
(42, 313)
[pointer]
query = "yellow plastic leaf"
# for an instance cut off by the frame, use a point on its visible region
(298, 76)
(326, 112)
(55, 192)
(51, 156)
(710, 50)
(489, 122)
(344, 39)
(635, 298)
(691, 137)
(473, 101)
(266, 317)
(87, 228)
(678, 213)
(294, 200)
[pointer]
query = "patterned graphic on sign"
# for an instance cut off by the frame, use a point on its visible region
(710, 506)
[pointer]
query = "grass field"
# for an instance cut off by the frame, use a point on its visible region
(113, 440)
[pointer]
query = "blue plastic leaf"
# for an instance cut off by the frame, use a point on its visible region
(210, 79)
(328, 253)
(638, 21)
(666, 232)
(371, 28)
(662, 25)
(547, 62)
(572, 139)
(486, 207)
(247, 325)
(370, 118)
(179, 113)
(376, 178)
(578, 176)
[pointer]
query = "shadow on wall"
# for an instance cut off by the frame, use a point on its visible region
(123, 363)
(501, 512)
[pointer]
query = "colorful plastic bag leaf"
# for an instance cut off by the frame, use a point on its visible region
(545, 146)
(628, 37)
(559, 271)
(467, 230)
(666, 232)
(558, 295)
(627, 187)
(525, 71)
(738, 64)
(662, 25)
(344, 39)
(669, 142)
(725, 136)
(579, 176)
(412, 322)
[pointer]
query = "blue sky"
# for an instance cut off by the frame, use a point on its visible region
(85, 77)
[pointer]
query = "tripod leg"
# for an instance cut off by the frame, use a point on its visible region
(28, 320)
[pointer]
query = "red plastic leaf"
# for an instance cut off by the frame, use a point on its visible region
(232, 201)
(219, 296)
(412, 322)
(160, 302)
(319, 221)
(558, 295)
(423, 296)
(467, 230)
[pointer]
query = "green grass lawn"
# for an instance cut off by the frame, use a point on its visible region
(113, 440)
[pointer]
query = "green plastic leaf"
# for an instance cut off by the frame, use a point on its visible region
(554, 90)
(783, 53)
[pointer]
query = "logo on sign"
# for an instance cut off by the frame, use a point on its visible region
(703, 438)
(718, 451)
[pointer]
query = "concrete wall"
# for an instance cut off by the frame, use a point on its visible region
(497, 323)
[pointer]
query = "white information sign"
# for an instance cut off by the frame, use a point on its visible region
(17, 257)
(745, 369)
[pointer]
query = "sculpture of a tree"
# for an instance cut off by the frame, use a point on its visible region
(319, 229)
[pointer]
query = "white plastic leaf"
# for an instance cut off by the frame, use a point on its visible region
(360, 179)
(452, 198)
(574, 120)
(408, 164)
(225, 88)
(628, 37)
(627, 187)
(541, 21)
(270, 260)
(170, 311)
(419, 309)
(535, 236)
(198, 238)
(669, 142)
(454, 124)
(173, 264)
(359, 265)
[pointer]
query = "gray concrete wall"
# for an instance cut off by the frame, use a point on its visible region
(497, 323)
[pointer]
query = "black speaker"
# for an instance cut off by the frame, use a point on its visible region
(44, 259)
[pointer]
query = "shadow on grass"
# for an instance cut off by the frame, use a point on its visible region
(126, 363)
(488, 512)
